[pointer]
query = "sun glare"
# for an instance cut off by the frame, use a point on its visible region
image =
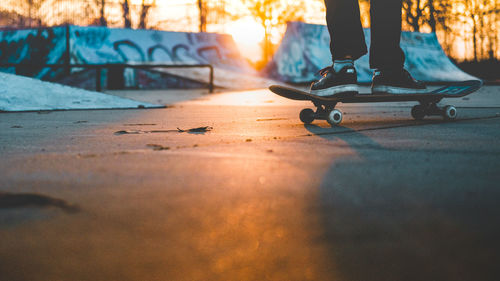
(247, 34)
(246, 31)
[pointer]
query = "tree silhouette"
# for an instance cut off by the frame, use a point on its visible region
(145, 7)
(126, 14)
(202, 9)
(271, 14)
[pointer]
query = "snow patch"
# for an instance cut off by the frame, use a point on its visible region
(18, 93)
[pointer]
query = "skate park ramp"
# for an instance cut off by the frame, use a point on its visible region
(100, 45)
(19, 93)
(304, 50)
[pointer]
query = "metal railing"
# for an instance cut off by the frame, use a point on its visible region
(99, 67)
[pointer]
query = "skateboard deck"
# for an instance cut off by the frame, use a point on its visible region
(325, 106)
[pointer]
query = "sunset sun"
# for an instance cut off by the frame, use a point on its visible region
(247, 34)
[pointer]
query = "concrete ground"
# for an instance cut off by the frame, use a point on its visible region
(124, 195)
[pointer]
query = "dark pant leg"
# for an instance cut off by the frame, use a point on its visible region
(385, 52)
(344, 25)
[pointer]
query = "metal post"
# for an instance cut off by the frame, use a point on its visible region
(67, 60)
(98, 86)
(211, 83)
(99, 69)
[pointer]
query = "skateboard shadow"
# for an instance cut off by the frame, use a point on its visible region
(350, 136)
(402, 214)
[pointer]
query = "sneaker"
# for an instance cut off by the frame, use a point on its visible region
(336, 84)
(396, 82)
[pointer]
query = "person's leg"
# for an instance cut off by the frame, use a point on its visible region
(385, 52)
(346, 33)
(347, 43)
(386, 55)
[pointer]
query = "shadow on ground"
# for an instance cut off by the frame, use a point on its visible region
(410, 214)
(33, 200)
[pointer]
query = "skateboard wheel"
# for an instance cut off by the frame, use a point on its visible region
(334, 117)
(449, 112)
(307, 116)
(418, 112)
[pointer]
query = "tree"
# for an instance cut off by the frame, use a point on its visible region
(202, 8)
(271, 14)
(126, 14)
(145, 7)
(431, 11)
(33, 16)
(101, 4)
(413, 13)
(102, 18)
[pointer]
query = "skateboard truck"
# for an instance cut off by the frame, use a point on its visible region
(448, 112)
(334, 116)
(428, 102)
(323, 112)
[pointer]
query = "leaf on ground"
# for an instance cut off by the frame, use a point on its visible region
(125, 132)
(196, 130)
(158, 147)
(140, 124)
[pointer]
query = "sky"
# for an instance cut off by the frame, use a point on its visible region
(247, 32)
(182, 15)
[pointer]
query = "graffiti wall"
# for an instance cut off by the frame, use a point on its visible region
(33, 46)
(304, 50)
(97, 45)
(112, 45)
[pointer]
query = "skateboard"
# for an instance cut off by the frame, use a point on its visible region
(325, 107)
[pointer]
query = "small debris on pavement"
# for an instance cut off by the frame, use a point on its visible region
(125, 132)
(136, 132)
(271, 119)
(140, 124)
(158, 147)
(16, 127)
(196, 130)
(248, 140)
(79, 122)
(86, 155)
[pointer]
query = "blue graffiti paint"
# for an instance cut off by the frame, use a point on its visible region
(94, 45)
(152, 50)
(134, 54)
(35, 47)
(305, 50)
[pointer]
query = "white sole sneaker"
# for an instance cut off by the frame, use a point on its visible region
(348, 89)
(382, 89)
